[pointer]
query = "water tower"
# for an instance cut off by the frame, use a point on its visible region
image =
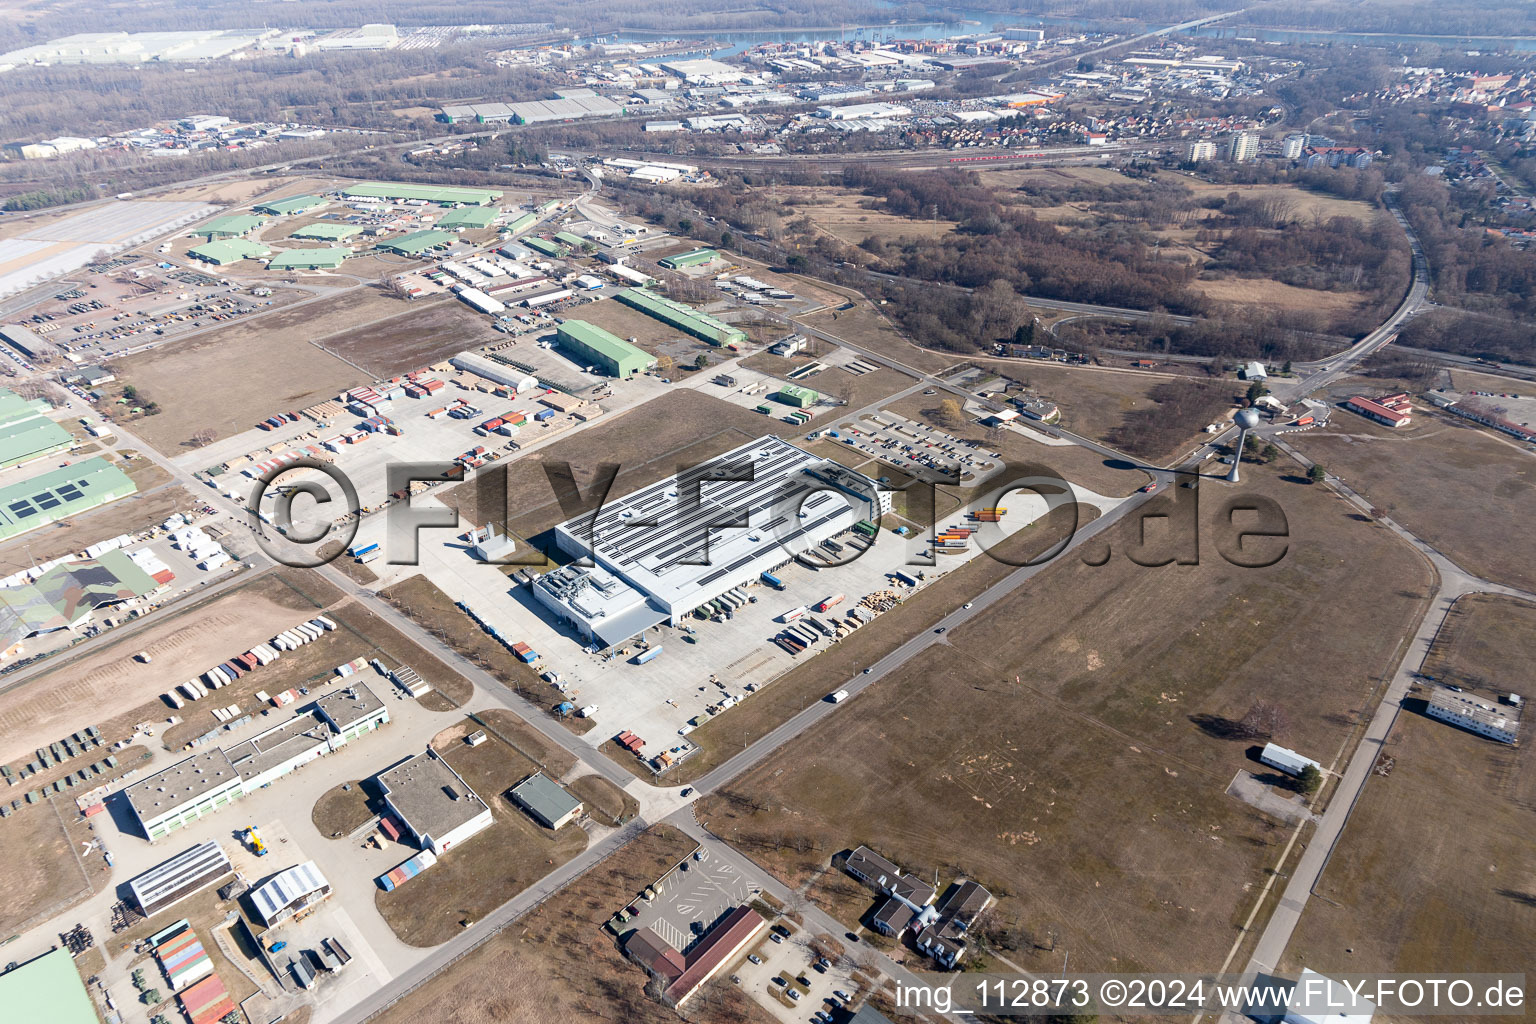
(1246, 420)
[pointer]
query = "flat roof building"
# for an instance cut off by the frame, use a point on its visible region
(231, 226)
(588, 343)
(60, 493)
(546, 800)
(434, 802)
(417, 242)
(683, 317)
(1481, 715)
(227, 250)
(326, 231)
(187, 790)
(290, 893)
(48, 988)
(469, 217)
(353, 710)
(23, 441)
(439, 194)
(684, 540)
(293, 204)
(171, 881)
(309, 259)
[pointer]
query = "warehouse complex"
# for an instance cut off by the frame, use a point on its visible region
(326, 231)
(683, 541)
(26, 432)
(60, 493)
(684, 318)
(438, 194)
(211, 779)
(232, 226)
(66, 594)
(433, 802)
(225, 251)
(588, 343)
(308, 259)
(291, 205)
(417, 242)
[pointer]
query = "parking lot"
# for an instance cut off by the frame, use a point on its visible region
(915, 445)
(784, 964)
(692, 897)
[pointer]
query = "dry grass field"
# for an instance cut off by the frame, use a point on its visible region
(1437, 869)
(1487, 643)
(1455, 485)
(1258, 291)
(411, 336)
(843, 215)
(273, 351)
(44, 873)
(557, 964)
(1308, 207)
(1071, 748)
(485, 871)
(809, 682)
(107, 688)
(867, 328)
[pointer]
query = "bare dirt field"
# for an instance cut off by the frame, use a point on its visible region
(44, 873)
(419, 333)
(106, 684)
(1435, 871)
(557, 964)
(1457, 486)
(483, 872)
(247, 370)
(1073, 746)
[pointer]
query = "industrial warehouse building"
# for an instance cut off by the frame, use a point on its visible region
(189, 872)
(438, 194)
(233, 226)
(289, 893)
(326, 231)
(211, 779)
(788, 498)
(291, 205)
(226, 251)
(59, 494)
(29, 439)
(1473, 713)
(433, 802)
(417, 242)
(468, 217)
(692, 258)
(588, 343)
(797, 396)
(48, 988)
(309, 259)
(65, 595)
(684, 318)
(544, 799)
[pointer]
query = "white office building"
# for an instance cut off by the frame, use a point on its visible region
(1473, 713)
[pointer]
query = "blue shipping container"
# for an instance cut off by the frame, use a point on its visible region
(649, 655)
(773, 581)
(361, 549)
(544, 414)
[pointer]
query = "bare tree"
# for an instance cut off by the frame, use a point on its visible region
(1263, 719)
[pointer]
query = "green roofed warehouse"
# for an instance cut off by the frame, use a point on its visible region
(230, 227)
(469, 217)
(588, 343)
(47, 989)
(308, 259)
(692, 258)
(417, 242)
(523, 223)
(227, 251)
(293, 204)
(543, 246)
(800, 398)
(683, 317)
(440, 195)
(60, 493)
(23, 441)
(568, 239)
(326, 231)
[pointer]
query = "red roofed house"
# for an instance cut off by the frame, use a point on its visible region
(1393, 410)
(685, 975)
